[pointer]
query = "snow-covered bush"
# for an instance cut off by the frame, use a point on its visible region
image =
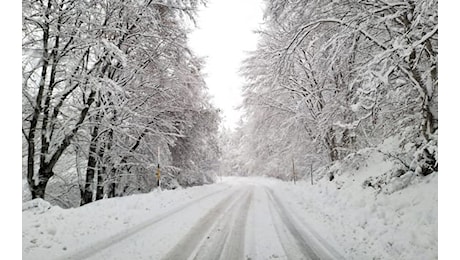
(425, 159)
(408, 158)
(36, 206)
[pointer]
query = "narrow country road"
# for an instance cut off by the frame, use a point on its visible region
(243, 221)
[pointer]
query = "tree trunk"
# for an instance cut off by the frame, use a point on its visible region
(38, 190)
(331, 145)
(36, 114)
(91, 167)
(111, 190)
(428, 118)
(90, 172)
(101, 175)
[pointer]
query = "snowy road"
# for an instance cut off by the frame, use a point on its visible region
(237, 221)
(240, 218)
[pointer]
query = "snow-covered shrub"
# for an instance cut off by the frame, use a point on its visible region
(64, 193)
(408, 159)
(188, 178)
(392, 180)
(402, 149)
(425, 159)
(37, 206)
(350, 164)
(169, 179)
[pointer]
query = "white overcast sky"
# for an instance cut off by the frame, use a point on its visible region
(223, 37)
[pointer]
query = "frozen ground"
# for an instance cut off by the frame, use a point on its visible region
(240, 218)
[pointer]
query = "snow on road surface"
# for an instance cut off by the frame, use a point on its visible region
(239, 218)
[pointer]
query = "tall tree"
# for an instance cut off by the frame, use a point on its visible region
(113, 78)
(56, 72)
(331, 77)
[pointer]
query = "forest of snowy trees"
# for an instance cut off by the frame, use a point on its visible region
(111, 88)
(331, 78)
(107, 87)
(335, 155)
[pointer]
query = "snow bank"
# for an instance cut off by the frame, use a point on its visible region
(366, 225)
(368, 210)
(36, 206)
(50, 231)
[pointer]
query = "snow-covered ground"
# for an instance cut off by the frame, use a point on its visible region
(241, 218)
(365, 225)
(238, 218)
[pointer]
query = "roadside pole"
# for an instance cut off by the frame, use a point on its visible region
(158, 173)
(293, 171)
(311, 173)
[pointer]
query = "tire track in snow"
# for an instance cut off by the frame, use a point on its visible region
(227, 238)
(219, 233)
(309, 243)
(98, 246)
(293, 243)
(235, 243)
